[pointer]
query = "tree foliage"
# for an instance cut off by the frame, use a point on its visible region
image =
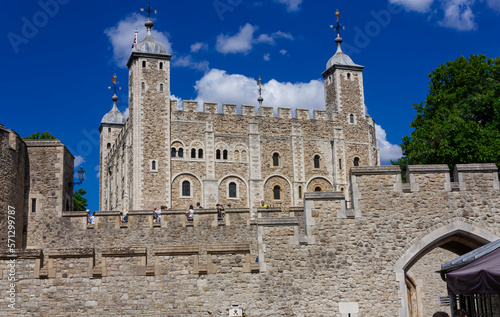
(40, 136)
(79, 202)
(459, 121)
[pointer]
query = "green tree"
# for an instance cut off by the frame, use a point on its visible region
(459, 121)
(79, 202)
(40, 136)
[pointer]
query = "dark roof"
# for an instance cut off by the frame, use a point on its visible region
(470, 257)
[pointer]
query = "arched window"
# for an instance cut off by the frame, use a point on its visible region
(186, 189)
(276, 159)
(317, 189)
(277, 192)
(300, 192)
(348, 75)
(143, 64)
(232, 190)
(143, 85)
(161, 87)
(153, 165)
(340, 164)
(224, 155)
(342, 189)
(161, 65)
(351, 118)
(236, 155)
(243, 155)
(200, 153)
(180, 152)
(316, 161)
(356, 161)
(108, 146)
(109, 130)
(217, 154)
(174, 152)
(193, 153)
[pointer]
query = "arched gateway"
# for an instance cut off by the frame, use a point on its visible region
(458, 237)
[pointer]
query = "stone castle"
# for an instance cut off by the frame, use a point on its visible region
(164, 156)
(370, 250)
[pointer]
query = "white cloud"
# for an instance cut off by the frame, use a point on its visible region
(199, 46)
(217, 85)
(122, 35)
(97, 168)
(239, 43)
(458, 15)
(283, 52)
(243, 41)
(291, 5)
(387, 150)
(187, 61)
(414, 5)
(79, 160)
(494, 4)
(454, 14)
(267, 57)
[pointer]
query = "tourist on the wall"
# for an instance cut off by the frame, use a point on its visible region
(190, 213)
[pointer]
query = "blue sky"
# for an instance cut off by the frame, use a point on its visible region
(59, 57)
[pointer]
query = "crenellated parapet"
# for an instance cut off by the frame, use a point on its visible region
(230, 109)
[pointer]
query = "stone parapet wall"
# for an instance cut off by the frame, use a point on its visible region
(323, 259)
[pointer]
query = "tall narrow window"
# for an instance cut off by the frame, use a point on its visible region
(143, 64)
(356, 161)
(232, 190)
(153, 165)
(109, 130)
(276, 159)
(224, 155)
(217, 154)
(348, 75)
(33, 204)
(200, 153)
(340, 164)
(161, 65)
(180, 152)
(236, 155)
(143, 85)
(108, 146)
(186, 189)
(351, 118)
(300, 192)
(277, 192)
(161, 87)
(173, 152)
(316, 161)
(193, 153)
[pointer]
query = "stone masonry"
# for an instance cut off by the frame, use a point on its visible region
(321, 259)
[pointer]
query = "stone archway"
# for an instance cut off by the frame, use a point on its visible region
(457, 237)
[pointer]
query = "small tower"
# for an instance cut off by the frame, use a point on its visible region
(149, 117)
(343, 82)
(110, 127)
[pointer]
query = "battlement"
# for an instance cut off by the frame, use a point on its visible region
(248, 110)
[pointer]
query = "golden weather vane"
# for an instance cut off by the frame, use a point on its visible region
(115, 83)
(338, 27)
(149, 9)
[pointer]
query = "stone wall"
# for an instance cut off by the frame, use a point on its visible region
(14, 188)
(319, 260)
(51, 172)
